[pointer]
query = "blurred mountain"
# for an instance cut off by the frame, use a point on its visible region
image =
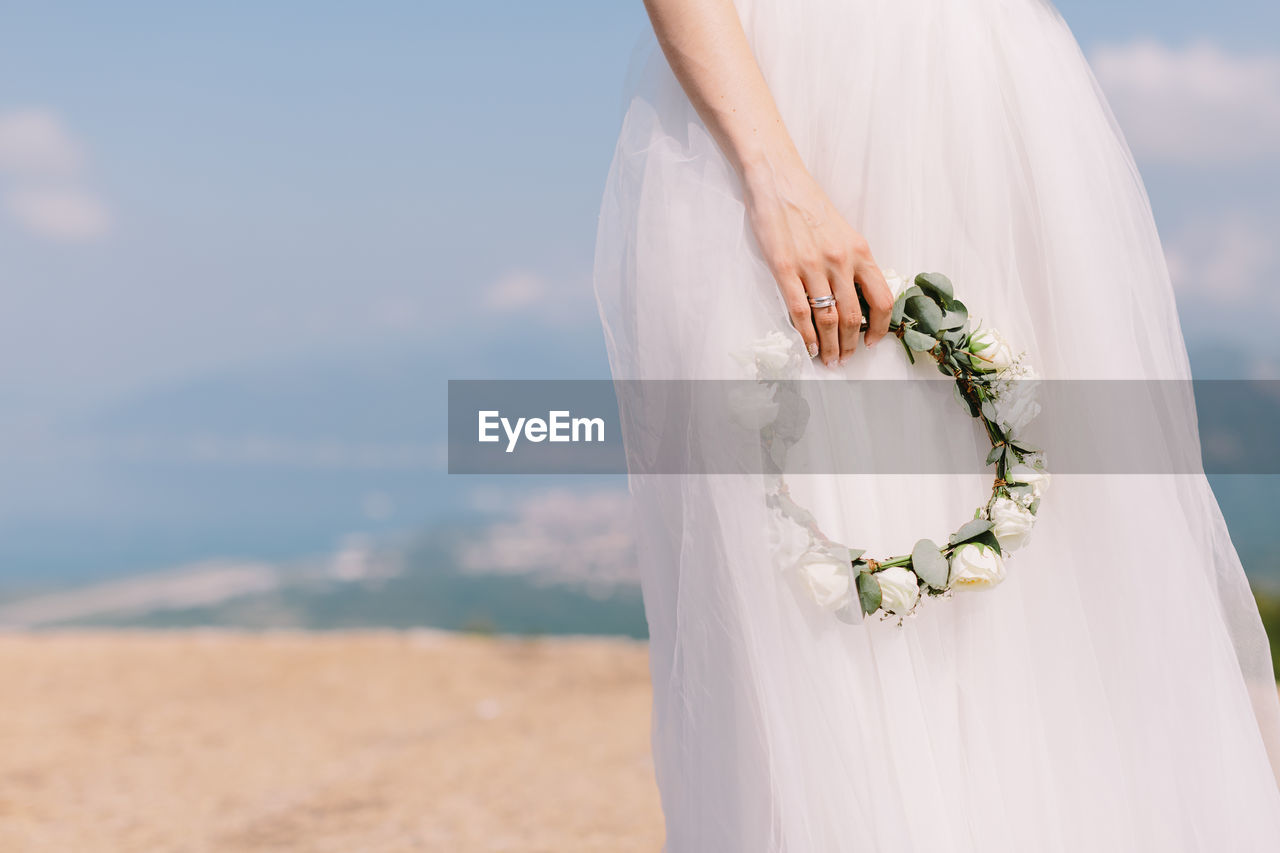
(562, 565)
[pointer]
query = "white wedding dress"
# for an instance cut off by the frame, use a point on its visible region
(1115, 693)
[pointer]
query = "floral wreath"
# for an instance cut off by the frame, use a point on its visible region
(991, 382)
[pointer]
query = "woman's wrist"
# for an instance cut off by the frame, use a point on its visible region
(768, 166)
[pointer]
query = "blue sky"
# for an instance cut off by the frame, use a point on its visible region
(252, 181)
(195, 194)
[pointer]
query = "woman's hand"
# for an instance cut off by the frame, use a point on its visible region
(808, 246)
(813, 252)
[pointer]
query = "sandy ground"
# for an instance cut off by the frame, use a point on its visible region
(338, 742)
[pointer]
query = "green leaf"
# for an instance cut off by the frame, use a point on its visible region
(868, 592)
(899, 307)
(855, 553)
(929, 564)
(1024, 446)
(994, 454)
(918, 340)
(777, 457)
(954, 319)
(795, 512)
(970, 530)
(925, 312)
(936, 285)
(989, 539)
(1020, 490)
(850, 614)
(793, 413)
(964, 401)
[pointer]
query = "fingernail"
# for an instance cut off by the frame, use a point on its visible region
(813, 350)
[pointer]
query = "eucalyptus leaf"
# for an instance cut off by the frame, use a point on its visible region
(936, 284)
(925, 312)
(776, 458)
(970, 530)
(989, 410)
(918, 341)
(989, 539)
(837, 552)
(954, 319)
(994, 454)
(1020, 490)
(850, 613)
(793, 413)
(869, 595)
(899, 307)
(788, 507)
(929, 564)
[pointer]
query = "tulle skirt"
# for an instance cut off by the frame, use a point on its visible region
(1116, 691)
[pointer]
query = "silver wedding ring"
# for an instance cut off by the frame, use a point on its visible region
(822, 302)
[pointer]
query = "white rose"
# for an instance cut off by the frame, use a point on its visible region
(1036, 478)
(828, 580)
(896, 283)
(752, 406)
(1011, 522)
(774, 356)
(989, 351)
(975, 564)
(899, 589)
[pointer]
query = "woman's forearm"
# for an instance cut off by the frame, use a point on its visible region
(811, 250)
(707, 49)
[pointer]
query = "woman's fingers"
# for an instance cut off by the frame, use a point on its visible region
(850, 312)
(826, 317)
(798, 309)
(879, 300)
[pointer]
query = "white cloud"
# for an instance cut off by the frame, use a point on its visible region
(41, 164)
(1222, 268)
(35, 143)
(515, 291)
(1193, 104)
(1227, 258)
(66, 213)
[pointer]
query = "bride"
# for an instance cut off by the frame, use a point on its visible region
(1115, 692)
